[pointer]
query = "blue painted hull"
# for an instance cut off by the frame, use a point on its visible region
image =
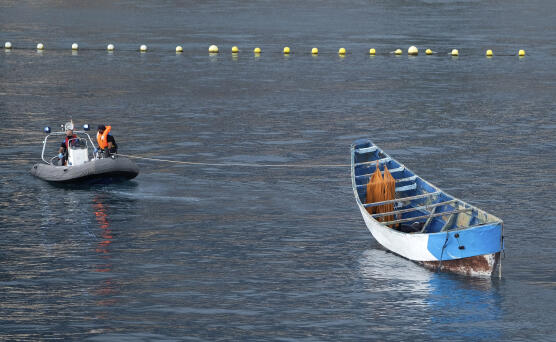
(465, 243)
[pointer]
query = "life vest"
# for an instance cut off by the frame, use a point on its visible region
(68, 140)
(102, 138)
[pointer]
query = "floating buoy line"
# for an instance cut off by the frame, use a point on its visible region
(214, 50)
(234, 163)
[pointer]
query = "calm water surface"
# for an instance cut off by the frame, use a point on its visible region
(233, 253)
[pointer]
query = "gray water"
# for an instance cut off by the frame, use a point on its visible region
(211, 253)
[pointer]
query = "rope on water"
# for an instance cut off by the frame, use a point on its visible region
(234, 164)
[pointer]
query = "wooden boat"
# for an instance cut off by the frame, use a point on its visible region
(432, 227)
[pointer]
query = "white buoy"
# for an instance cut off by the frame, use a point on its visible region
(7, 45)
(143, 48)
(110, 47)
(413, 51)
(40, 46)
(179, 49)
(213, 49)
(74, 46)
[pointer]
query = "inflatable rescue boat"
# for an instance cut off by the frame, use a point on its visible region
(84, 164)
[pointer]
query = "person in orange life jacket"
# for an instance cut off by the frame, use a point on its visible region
(63, 151)
(105, 140)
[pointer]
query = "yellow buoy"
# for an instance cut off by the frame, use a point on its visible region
(143, 48)
(372, 51)
(235, 49)
(7, 45)
(110, 47)
(315, 51)
(413, 51)
(179, 49)
(40, 46)
(489, 53)
(257, 50)
(74, 46)
(428, 51)
(398, 51)
(342, 51)
(286, 50)
(455, 52)
(213, 49)
(521, 53)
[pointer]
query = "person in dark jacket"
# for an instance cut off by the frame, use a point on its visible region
(63, 150)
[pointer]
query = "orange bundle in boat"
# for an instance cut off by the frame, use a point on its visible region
(389, 194)
(381, 188)
(375, 190)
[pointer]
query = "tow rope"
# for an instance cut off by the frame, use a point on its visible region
(234, 164)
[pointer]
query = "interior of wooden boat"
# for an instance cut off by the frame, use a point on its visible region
(419, 207)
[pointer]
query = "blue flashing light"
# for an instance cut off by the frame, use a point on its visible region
(86, 127)
(47, 130)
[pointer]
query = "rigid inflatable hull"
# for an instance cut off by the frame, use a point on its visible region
(96, 170)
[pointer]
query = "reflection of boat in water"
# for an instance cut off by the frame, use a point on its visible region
(82, 166)
(102, 219)
(108, 288)
(404, 298)
(421, 222)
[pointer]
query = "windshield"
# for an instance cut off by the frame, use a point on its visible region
(77, 143)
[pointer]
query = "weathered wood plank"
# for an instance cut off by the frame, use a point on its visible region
(408, 210)
(398, 169)
(407, 187)
(427, 216)
(402, 199)
(366, 149)
(380, 161)
(407, 179)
